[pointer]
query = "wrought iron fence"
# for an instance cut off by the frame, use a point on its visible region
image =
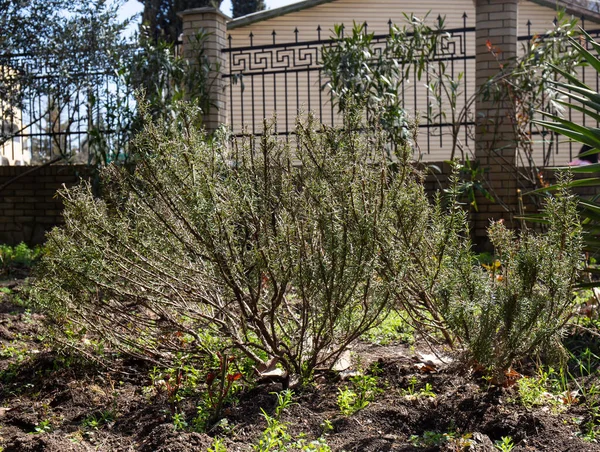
(49, 111)
(286, 79)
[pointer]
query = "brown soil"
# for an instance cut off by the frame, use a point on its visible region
(40, 385)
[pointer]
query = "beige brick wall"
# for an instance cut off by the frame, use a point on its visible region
(497, 22)
(214, 23)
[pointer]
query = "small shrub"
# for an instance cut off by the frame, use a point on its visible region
(521, 307)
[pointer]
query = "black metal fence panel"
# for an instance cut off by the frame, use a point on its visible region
(48, 111)
(285, 80)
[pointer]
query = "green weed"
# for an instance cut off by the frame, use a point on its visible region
(505, 444)
(18, 256)
(363, 391)
(217, 446)
(44, 426)
(275, 438)
(436, 439)
(96, 421)
(413, 393)
(391, 329)
(179, 421)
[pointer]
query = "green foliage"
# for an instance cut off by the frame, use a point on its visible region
(44, 426)
(179, 421)
(217, 446)
(453, 440)
(520, 305)
(221, 385)
(533, 391)
(163, 80)
(576, 95)
(96, 421)
(371, 78)
(17, 256)
(363, 391)
(162, 20)
(275, 438)
(413, 393)
(242, 7)
(506, 444)
(471, 183)
(392, 328)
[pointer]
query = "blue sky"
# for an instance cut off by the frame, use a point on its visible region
(132, 7)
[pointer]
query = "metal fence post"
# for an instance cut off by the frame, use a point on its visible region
(214, 23)
(495, 139)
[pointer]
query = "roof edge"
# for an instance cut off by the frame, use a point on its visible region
(271, 13)
(570, 8)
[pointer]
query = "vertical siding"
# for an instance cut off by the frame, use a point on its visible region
(375, 13)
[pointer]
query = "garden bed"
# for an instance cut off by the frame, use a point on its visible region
(57, 400)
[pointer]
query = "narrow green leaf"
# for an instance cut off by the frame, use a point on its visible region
(585, 91)
(585, 111)
(571, 78)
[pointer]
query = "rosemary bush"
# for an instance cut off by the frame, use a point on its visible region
(273, 250)
(512, 310)
(518, 305)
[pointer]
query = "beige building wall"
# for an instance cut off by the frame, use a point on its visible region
(287, 90)
(12, 152)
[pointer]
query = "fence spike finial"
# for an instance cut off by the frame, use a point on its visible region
(464, 16)
(296, 33)
(390, 23)
(555, 21)
(274, 34)
(251, 36)
(319, 32)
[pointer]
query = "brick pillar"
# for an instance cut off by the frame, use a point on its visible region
(214, 23)
(496, 25)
